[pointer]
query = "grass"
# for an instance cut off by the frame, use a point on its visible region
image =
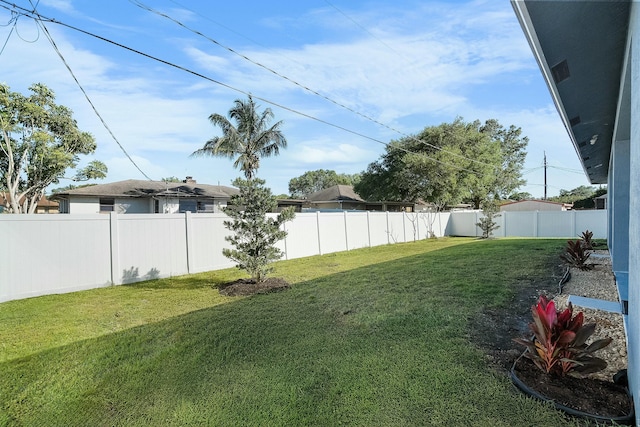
(377, 336)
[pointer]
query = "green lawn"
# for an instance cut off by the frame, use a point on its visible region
(373, 337)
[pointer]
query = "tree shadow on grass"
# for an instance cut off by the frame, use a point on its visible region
(368, 346)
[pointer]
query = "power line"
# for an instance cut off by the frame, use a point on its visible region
(302, 86)
(357, 24)
(39, 17)
(95, 110)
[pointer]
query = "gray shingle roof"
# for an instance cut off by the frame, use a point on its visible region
(141, 188)
(337, 192)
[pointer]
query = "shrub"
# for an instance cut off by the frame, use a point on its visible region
(558, 345)
(587, 239)
(254, 233)
(576, 255)
(487, 224)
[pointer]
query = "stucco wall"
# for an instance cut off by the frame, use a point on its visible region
(531, 205)
(634, 206)
(84, 205)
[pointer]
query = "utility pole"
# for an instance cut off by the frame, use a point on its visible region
(545, 175)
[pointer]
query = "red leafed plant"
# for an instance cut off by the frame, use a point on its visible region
(576, 255)
(559, 346)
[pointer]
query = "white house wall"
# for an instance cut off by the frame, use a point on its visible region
(84, 205)
(531, 205)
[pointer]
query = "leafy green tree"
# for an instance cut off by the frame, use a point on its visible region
(39, 141)
(171, 179)
(578, 193)
(249, 140)
(255, 233)
(447, 164)
(69, 187)
(312, 181)
(522, 195)
(512, 153)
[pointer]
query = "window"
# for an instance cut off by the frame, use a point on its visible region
(107, 205)
(206, 206)
(187, 206)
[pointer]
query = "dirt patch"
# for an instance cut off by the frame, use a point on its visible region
(245, 287)
(494, 329)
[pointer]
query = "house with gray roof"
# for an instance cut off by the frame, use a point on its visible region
(139, 196)
(343, 197)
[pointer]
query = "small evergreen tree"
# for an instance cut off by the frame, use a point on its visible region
(255, 233)
(487, 223)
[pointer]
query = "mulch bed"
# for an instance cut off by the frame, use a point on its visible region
(588, 395)
(245, 287)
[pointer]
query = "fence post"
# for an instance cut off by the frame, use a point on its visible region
(504, 223)
(404, 228)
(368, 229)
(346, 230)
(189, 240)
(286, 252)
(388, 232)
(535, 224)
(115, 248)
(318, 230)
(573, 224)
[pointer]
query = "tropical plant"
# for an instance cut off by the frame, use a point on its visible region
(587, 239)
(576, 255)
(559, 345)
(251, 139)
(254, 233)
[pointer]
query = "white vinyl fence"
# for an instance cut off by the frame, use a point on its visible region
(569, 224)
(46, 254)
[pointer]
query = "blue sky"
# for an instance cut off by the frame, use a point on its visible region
(394, 68)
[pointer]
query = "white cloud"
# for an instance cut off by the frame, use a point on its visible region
(61, 5)
(319, 152)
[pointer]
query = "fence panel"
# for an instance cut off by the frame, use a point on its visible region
(356, 229)
(521, 224)
(595, 221)
(206, 240)
(151, 246)
(556, 224)
(302, 239)
(46, 254)
(463, 224)
(378, 228)
(332, 234)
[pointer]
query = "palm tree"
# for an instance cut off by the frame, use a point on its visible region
(250, 140)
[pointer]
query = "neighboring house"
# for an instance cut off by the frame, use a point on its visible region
(45, 206)
(589, 55)
(535, 205)
(600, 202)
(297, 204)
(342, 197)
(138, 196)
